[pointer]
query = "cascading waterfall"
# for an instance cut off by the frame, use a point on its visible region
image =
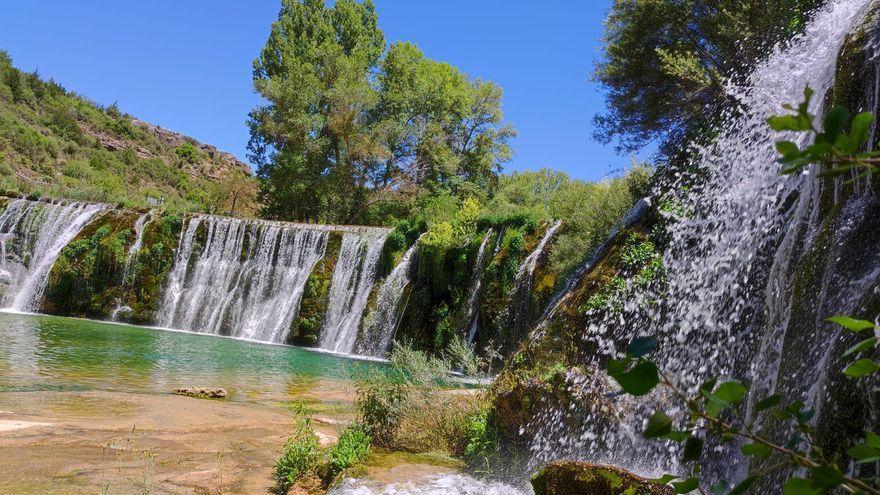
(41, 231)
(244, 279)
(350, 287)
(140, 226)
(730, 261)
(517, 311)
(381, 323)
(476, 290)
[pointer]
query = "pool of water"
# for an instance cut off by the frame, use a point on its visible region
(53, 353)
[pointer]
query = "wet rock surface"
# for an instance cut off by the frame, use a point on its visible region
(202, 392)
(580, 478)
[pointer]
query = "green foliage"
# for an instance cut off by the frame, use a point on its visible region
(482, 441)
(187, 152)
(841, 151)
(301, 452)
(463, 357)
(664, 63)
(363, 127)
(716, 411)
(380, 403)
(351, 449)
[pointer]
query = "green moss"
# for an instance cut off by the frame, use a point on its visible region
(152, 265)
(306, 327)
(574, 478)
(86, 279)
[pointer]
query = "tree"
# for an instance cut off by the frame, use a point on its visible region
(349, 135)
(665, 61)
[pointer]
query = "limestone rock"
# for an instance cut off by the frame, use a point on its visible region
(580, 478)
(202, 392)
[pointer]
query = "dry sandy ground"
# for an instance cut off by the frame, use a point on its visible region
(101, 442)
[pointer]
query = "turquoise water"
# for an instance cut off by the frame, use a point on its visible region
(54, 353)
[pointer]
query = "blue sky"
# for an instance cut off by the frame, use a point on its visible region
(185, 65)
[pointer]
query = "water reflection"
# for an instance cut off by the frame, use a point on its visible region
(52, 353)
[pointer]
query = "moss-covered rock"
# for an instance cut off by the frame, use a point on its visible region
(86, 279)
(152, 265)
(306, 328)
(578, 478)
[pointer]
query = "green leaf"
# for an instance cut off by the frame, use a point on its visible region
(827, 477)
(758, 450)
(731, 392)
(641, 346)
(659, 425)
(768, 403)
(693, 448)
(861, 346)
(666, 478)
(677, 436)
(640, 380)
(835, 120)
(686, 486)
(860, 368)
(859, 132)
(863, 453)
(851, 323)
(787, 123)
(872, 439)
(787, 148)
(800, 486)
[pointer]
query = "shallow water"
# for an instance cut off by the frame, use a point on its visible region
(445, 484)
(54, 353)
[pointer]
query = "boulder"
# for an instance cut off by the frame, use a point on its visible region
(202, 392)
(580, 478)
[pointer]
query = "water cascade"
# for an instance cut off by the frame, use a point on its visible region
(40, 230)
(381, 323)
(350, 287)
(517, 313)
(139, 226)
(728, 310)
(476, 290)
(240, 278)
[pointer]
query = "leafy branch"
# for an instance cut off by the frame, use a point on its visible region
(840, 151)
(715, 411)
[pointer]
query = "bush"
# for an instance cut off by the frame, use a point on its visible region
(187, 152)
(482, 441)
(352, 448)
(77, 169)
(301, 452)
(463, 357)
(380, 402)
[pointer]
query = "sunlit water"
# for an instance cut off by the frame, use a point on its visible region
(52, 353)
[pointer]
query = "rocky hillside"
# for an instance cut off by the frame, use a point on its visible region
(55, 142)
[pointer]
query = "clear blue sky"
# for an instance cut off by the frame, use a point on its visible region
(185, 65)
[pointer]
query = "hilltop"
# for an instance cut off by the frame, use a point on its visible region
(59, 143)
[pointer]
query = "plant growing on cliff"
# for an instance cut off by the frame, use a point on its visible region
(838, 145)
(717, 410)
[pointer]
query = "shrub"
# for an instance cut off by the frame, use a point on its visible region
(301, 452)
(187, 152)
(352, 448)
(463, 357)
(482, 441)
(380, 402)
(77, 169)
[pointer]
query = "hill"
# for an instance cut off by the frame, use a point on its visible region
(58, 143)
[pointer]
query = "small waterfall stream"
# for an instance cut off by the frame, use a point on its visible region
(381, 323)
(476, 290)
(350, 287)
(140, 226)
(41, 231)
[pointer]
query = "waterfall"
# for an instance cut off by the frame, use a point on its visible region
(381, 323)
(476, 290)
(350, 287)
(41, 231)
(244, 278)
(517, 313)
(730, 263)
(139, 226)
